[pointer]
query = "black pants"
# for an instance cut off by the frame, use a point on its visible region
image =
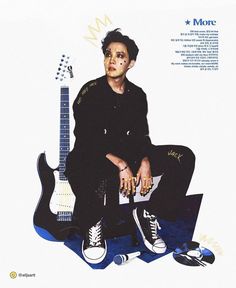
(174, 163)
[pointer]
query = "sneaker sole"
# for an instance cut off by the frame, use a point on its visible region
(97, 260)
(158, 250)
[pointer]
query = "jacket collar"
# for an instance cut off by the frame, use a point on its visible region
(104, 81)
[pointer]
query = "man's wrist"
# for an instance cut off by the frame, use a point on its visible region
(121, 165)
(120, 170)
(118, 162)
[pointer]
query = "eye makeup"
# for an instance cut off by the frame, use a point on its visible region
(119, 54)
(107, 53)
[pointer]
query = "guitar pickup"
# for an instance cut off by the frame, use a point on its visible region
(64, 216)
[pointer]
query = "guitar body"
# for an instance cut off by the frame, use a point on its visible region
(54, 226)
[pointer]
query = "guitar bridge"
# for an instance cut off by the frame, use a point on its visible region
(64, 216)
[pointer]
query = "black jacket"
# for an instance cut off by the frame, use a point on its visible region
(107, 122)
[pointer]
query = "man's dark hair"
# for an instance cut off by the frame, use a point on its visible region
(116, 36)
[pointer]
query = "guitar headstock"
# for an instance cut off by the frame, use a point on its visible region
(64, 70)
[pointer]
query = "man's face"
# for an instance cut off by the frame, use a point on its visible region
(116, 60)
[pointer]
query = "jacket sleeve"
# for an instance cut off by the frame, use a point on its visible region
(141, 129)
(89, 131)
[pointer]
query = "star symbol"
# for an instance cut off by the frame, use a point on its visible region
(187, 22)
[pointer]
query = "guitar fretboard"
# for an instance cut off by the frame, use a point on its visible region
(64, 130)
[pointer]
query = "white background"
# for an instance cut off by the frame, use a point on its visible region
(188, 107)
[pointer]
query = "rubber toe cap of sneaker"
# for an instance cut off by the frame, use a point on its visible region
(94, 255)
(159, 246)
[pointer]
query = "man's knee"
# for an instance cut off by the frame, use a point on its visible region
(188, 156)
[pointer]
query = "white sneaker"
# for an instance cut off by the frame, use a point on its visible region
(94, 247)
(147, 225)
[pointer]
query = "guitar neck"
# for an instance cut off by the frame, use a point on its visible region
(64, 130)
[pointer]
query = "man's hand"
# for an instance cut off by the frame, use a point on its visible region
(145, 175)
(127, 181)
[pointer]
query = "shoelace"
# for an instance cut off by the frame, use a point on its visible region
(95, 235)
(154, 224)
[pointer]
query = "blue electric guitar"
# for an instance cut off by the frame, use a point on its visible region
(53, 214)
